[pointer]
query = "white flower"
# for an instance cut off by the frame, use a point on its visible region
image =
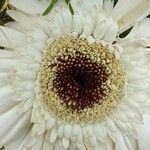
(69, 82)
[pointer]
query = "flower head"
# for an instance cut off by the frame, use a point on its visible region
(69, 82)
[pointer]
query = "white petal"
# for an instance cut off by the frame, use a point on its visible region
(121, 116)
(142, 29)
(17, 144)
(121, 125)
(67, 130)
(88, 131)
(22, 19)
(144, 134)
(100, 28)
(109, 145)
(65, 142)
(76, 131)
(47, 145)
(28, 104)
(53, 135)
(41, 128)
(77, 23)
(24, 86)
(112, 29)
(111, 124)
(100, 133)
(16, 123)
(61, 130)
(50, 123)
(92, 141)
(13, 25)
(7, 54)
(30, 75)
(23, 96)
(123, 7)
(108, 6)
(7, 64)
(31, 7)
(36, 30)
(38, 145)
(6, 104)
(5, 91)
(129, 12)
(11, 38)
(130, 142)
(81, 146)
(59, 145)
(120, 144)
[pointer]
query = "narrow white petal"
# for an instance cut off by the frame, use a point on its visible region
(38, 145)
(77, 23)
(61, 131)
(100, 29)
(11, 38)
(4, 75)
(47, 145)
(16, 123)
(7, 64)
(24, 96)
(112, 29)
(50, 123)
(41, 128)
(123, 7)
(142, 29)
(13, 25)
(6, 103)
(80, 145)
(5, 91)
(88, 131)
(108, 6)
(111, 134)
(31, 75)
(25, 86)
(22, 19)
(100, 133)
(35, 55)
(92, 141)
(120, 144)
(59, 145)
(111, 124)
(33, 29)
(65, 142)
(31, 7)
(5, 99)
(121, 116)
(28, 104)
(109, 145)
(130, 142)
(7, 54)
(144, 134)
(76, 131)
(17, 144)
(122, 125)
(134, 12)
(67, 130)
(53, 135)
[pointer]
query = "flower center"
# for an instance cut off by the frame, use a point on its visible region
(79, 81)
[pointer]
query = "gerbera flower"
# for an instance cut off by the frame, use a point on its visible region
(69, 82)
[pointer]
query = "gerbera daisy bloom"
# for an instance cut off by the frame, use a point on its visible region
(68, 81)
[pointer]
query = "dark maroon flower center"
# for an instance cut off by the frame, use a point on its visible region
(80, 82)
